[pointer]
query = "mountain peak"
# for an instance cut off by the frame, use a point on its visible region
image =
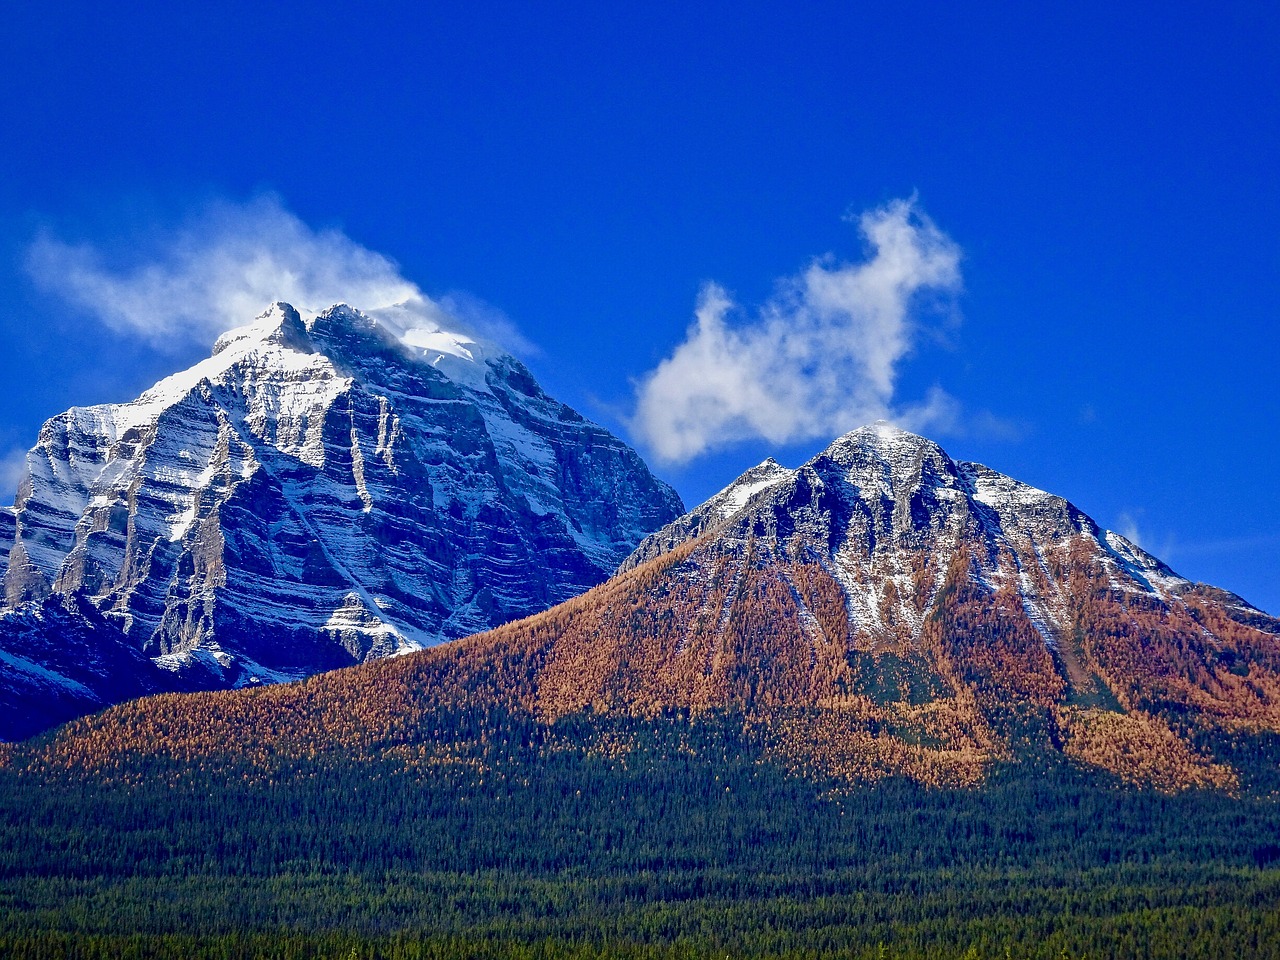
(884, 580)
(279, 324)
(319, 491)
(881, 428)
(884, 439)
(882, 504)
(342, 321)
(738, 494)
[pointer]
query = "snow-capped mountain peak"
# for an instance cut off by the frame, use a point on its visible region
(322, 489)
(419, 334)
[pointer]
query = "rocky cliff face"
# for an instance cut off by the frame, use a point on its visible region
(315, 494)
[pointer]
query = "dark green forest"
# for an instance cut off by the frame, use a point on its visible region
(615, 836)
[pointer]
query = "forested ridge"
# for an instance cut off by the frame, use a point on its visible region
(610, 835)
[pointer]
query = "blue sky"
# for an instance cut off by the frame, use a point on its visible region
(1105, 178)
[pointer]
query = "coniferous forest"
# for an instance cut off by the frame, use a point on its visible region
(672, 835)
(541, 791)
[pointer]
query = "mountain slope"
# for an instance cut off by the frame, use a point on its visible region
(882, 610)
(900, 582)
(316, 493)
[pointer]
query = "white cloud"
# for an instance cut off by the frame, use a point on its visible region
(1132, 526)
(223, 266)
(1128, 528)
(455, 311)
(13, 467)
(820, 358)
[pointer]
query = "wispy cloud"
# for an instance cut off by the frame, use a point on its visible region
(13, 465)
(221, 267)
(819, 358)
(1128, 528)
(1131, 525)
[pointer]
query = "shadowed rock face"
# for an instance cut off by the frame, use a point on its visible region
(315, 494)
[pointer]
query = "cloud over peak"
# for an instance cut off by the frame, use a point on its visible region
(817, 359)
(216, 271)
(223, 266)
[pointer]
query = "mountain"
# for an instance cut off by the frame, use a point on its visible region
(921, 603)
(886, 704)
(317, 493)
(881, 611)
